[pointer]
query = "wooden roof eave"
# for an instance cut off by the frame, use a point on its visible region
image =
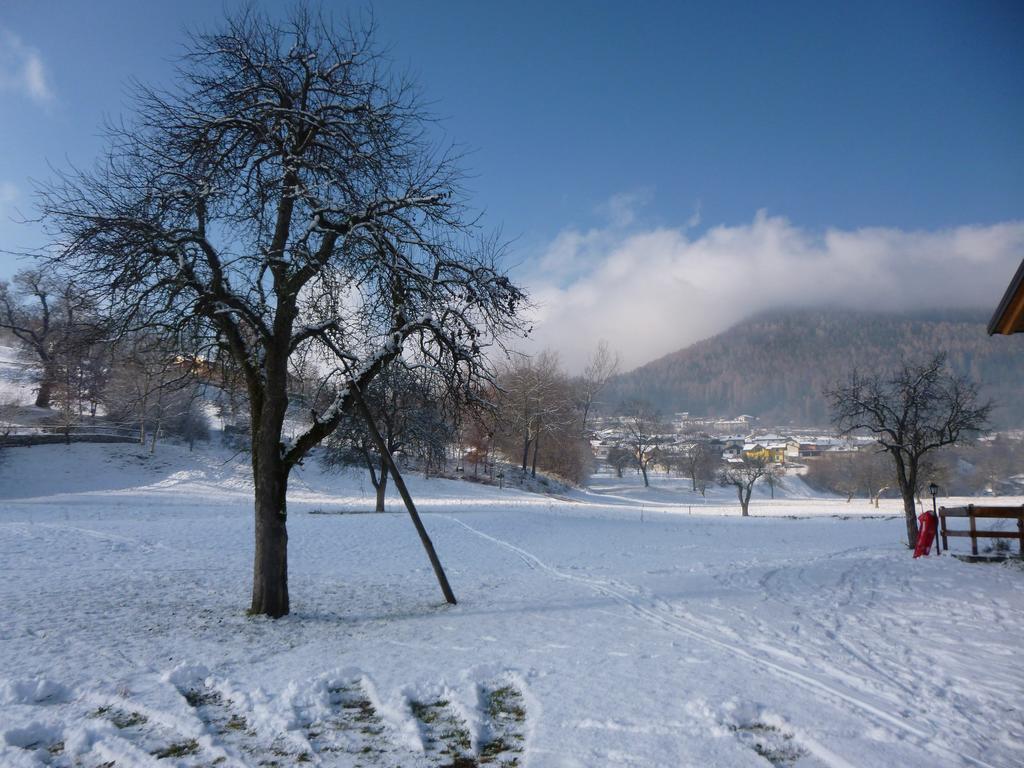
(1009, 315)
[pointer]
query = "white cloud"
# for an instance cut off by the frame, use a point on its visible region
(621, 209)
(652, 292)
(22, 70)
(694, 220)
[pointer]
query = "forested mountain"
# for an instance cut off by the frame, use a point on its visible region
(777, 364)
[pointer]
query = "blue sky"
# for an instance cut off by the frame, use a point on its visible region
(595, 126)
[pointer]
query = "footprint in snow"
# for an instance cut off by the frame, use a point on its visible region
(350, 731)
(345, 729)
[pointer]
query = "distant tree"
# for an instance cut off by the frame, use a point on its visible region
(874, 472)
(935, 467)
(742, 475)
(642, 428)
(479, 422)
(27, 311)
(408, 419)
(187, 420)
(536, 406)
(773, 477)
(8, 418)
(701, 463)
(619, 457)
(867, 472)
(996, 461)
(668, 459)
(52, 319)
(151, 385)
(93, 374)
(603, 365)
(911, 412)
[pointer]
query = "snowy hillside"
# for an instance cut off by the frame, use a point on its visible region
(17, 379)
(583, 637)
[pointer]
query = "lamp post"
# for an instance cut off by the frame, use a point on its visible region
(933, 489)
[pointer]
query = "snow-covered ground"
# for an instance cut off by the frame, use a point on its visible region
(618, 626)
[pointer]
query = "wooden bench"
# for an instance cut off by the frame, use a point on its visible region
(975, 512)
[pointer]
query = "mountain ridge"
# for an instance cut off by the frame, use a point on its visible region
(776, 364)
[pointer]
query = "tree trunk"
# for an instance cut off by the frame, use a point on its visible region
(536, 447)
(45, 392)
(45, 395)
(906, 476)
(382, 485)
(156, 432)
(270, 566)
(643, 471)
(526, 451)
(910, 512)
(744, 500)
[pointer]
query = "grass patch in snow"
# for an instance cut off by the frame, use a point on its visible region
(197, 699)
(444, 733)
(770, 742)
(120, 718)
(177, 749)
(505, 718)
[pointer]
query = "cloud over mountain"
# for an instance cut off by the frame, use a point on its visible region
(651, 292)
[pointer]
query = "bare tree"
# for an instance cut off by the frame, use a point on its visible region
(284, 199)
(700, 463)
(150, 385)
(641, 431)
(536, 404)
(603, 365)
(408, 419)
(478, 425)
(848, 473)
(742, 475)
(874, 473)
(911, 412)
(619, 457)
(996, 462)
(47, 316)
(187, 419)
(774, 478)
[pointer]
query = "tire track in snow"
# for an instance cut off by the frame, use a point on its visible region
(928, 741)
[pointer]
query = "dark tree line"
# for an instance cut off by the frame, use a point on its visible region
(990, 466)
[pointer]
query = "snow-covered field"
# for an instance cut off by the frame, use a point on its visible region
(620, 626)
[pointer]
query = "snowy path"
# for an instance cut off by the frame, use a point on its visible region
(583, 637)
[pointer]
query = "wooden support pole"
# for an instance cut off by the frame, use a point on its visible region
(974, 531)
(1020, 535)
(378, 440)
